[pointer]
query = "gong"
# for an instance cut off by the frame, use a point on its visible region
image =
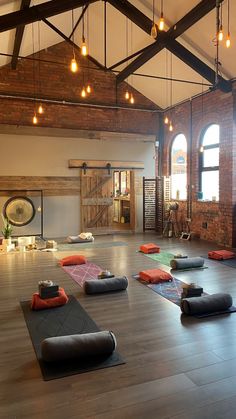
(19, 210)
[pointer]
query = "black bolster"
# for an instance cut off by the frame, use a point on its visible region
(196, 262)
(206, 304)
(97, 286)
(78, 346)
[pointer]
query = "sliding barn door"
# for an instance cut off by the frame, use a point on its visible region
(96, 200)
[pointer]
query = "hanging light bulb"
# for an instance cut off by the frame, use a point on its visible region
(84, 50)
(88, 88)
(201, 149)
(227, 42)
(166, 120)
(131, 99)
(74, 65)
(35, 119)
(83, 92)
(154, 31)
(161, 23)
(127, 95)
(220, 34)
(170, 127)
(40, 109)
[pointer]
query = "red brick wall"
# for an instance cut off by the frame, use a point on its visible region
(58, 83)
(215, 107)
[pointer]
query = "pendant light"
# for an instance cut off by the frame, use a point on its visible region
(40, 108)
(162, 22)
(154, 26)
(73, 64)
(166, 119)
(131, 77)
(88, 89)
(220, 33)
(131, 99)
(127, 94)
(35, 119)
(171, 86)
(83, 92)
(227, 43)
(84, 49)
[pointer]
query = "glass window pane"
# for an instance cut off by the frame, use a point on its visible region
(179, 168)
(212, 135)
(211, 157)
(179, 186)
(210, 185)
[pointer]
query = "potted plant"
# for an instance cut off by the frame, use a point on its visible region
(7, 231)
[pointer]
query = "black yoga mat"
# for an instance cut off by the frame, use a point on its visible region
(69, 319)
(227, 262)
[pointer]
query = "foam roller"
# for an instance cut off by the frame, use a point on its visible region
(196, 262)
(60, 348)
(206, 304)
(97, 286)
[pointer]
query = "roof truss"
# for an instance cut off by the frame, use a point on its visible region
(25, 4)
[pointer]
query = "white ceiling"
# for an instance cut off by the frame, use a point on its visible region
(198, 39)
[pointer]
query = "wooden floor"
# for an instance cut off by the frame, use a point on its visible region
(175, 367)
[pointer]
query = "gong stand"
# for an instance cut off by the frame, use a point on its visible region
(21, 197)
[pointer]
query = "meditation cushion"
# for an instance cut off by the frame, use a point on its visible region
(73, 260)
(206, 304)
(78, 239)
(60, 348)
(221, 254)
(149, 248)
(38, 303)
(195, 262)
(155, 276)
(98, 286)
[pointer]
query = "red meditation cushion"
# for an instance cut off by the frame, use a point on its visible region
(221, 254)
(38, 303)
(73, 260)
(149, 248)
(155, 276)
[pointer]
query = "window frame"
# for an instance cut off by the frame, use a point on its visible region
(203, 168)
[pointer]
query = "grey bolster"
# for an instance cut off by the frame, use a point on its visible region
(78, 346)
(97, 286)
(206, 304)
(196, 262)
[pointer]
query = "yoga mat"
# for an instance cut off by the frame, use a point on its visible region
(172, 292)
(228, 262)
(164, 258)
(69, 319)
(80, 273)
(63, 247)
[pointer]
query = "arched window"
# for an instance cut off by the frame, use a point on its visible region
(209, 163)
(178, 168)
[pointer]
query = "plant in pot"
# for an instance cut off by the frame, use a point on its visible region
(7, 231)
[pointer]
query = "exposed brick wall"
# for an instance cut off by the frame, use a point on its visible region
(58, 83)
(210, 221)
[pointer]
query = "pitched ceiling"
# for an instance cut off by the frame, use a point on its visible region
(124, 38)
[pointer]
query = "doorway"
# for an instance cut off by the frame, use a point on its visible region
(123, 200)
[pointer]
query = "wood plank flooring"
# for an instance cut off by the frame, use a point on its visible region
(176, 367)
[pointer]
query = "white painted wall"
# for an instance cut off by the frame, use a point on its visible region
(26, 155)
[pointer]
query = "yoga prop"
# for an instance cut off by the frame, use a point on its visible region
(164, 257)
(221, 255)
(70, 319)
(189, 263)
(73, 260)
(206, 304)
(81, 273)
(60, 348)
(67, 247)
(37, 303)
(77, 239)
(105, 285)
(227, 262)
(149, 248)
(155, 276)
(172, 292)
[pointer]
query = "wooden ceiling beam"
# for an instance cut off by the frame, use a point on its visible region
(197, 65)
(192, 17)
(35, 13)
(25, 4)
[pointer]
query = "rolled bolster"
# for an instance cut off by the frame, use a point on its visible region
(196, 262)
(97, 286)
(78, 346)
(206, 304)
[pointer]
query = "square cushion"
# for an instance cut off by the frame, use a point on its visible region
(73, 260)
(221, 254)
(155, 276)
(149, 248)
